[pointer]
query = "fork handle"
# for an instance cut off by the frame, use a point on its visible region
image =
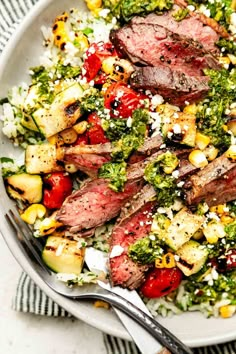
(160, 333)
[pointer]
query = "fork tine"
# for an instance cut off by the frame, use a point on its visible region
(25, 235)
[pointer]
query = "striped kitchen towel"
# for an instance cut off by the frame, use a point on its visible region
(29, 298)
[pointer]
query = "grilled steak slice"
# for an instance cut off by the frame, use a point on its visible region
(189, 27)
(123, 270)
(215, 184)
(94, 204)
(174, 86)
(154, 45)
(88, 163)
(204, 19)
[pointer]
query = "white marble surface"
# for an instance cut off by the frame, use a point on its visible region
(29, 334)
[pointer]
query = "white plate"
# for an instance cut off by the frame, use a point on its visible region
(21, 53)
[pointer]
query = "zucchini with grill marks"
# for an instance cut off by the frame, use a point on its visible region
(25, 187)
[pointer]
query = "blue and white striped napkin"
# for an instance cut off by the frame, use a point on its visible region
(29, 298)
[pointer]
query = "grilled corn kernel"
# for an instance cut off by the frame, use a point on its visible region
(225, 219)
(56, 140)
(117, 69)
(227, 311)
(213, 231)
(198, 159)
(225, 61)
(103, 304)
(190, 109)
(61, 36)
(231, 153)
(80, 127)
(219, 209)
(48, 226)
(69, 136)
(159, 263)
(202, 141)
(71, 168)
(33, 212)
(93, 4)
(211, 152)
(169, 260)
(81, 41)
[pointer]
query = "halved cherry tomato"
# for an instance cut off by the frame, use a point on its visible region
(57, 186)
(224, 262)
(161, 281)
(96, 134)
(82, 139)
(94, 56)
(231, 259)
(122, 100)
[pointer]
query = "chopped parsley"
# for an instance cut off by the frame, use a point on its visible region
(211, 115)
(116, 173)
(227, 46)
(164, 184)
(92, 100)
(145, 250)
(180, 14)
(126, 9)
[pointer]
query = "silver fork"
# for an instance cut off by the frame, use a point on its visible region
(31, 247)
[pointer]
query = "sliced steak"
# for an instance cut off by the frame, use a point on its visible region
(204, 19)
(174, 86)
(154, 45)
(94, 204)
(88, 163)
(189, 27)
(123, 270)
(215, 184)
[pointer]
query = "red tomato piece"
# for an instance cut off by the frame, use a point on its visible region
(95, 132)
(231, 259)
(82, 139)
(57, 186)
(161, 281)
(95, 54)
(122, 100)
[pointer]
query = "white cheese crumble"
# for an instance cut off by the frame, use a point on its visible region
(116, 251)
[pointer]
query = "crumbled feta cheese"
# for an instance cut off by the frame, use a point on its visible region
(156, 100)
(177, 129)
(116, 251)
(175, 174)
(129, 122)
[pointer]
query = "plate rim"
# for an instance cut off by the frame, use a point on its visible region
(120, 332)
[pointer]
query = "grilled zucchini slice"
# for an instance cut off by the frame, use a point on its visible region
(192, 257)
(63, 255)
(25, 187)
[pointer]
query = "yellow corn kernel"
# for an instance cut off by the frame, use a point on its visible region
(33, 212)
(190, 109)
(213, 231)
(93, 4)
(80, 127)
(225, 219)
(211, 152)
(56, 140)
(227, 311)
(71, 168)
(202, 140)
(61, 36)
(81, 41)
(48, 226)
(219, 209)
(198, 159)
(168, 260)
(225, 61)
(102, 304)
(159, 263)
(117, 69)
(231, 153)
(225, 128)
(69, 136)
